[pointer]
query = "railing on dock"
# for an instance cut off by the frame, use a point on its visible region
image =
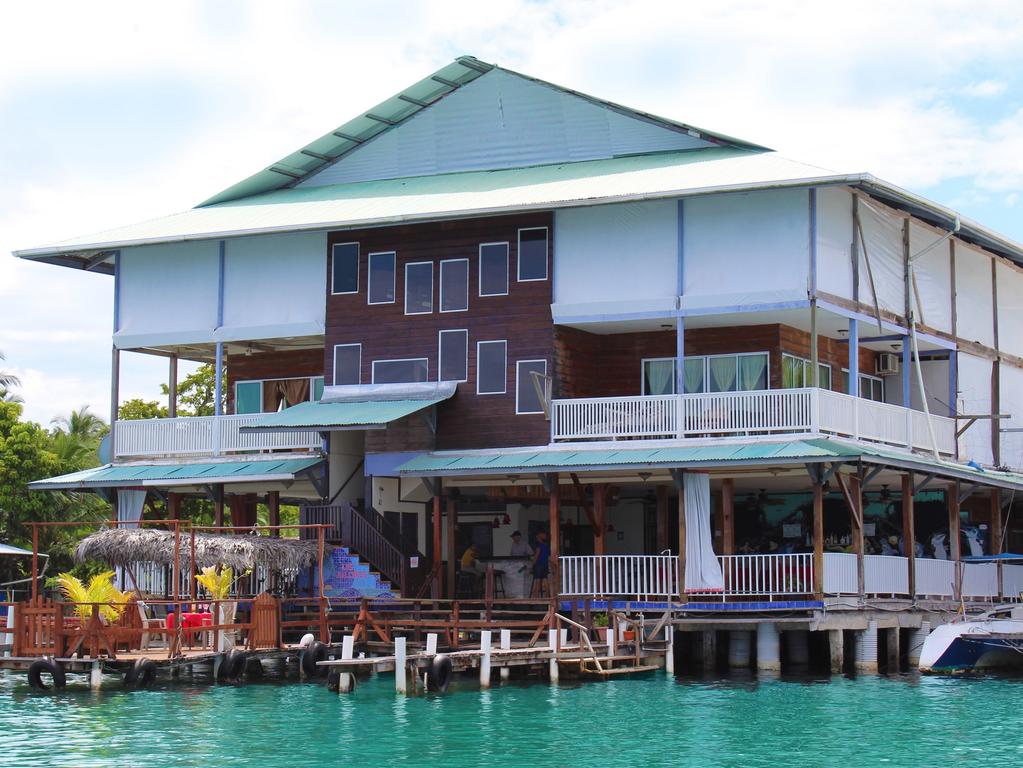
(203, 436)
(617, 575)
(759, 412)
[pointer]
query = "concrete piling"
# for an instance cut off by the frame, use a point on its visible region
(797, 642)
(892, 647)
(400, 666)
(836, 650)
(346, 680)
(552, 639)
(866, 648)
(916, 643)
(485, 659)
(96, 676)
(709, 650)
(505, 645)
(738, 648)
(768, 647)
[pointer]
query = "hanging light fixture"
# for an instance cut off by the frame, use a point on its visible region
(507, 519)
(496, 523)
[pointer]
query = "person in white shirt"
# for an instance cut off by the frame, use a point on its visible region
(519, 548)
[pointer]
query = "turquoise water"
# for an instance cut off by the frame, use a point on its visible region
(653, 721)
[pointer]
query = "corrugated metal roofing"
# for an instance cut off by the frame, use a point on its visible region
(366, 203)
(326, 416)
(111, 476)
(8, 549)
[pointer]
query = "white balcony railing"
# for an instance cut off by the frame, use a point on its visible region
(640, 576)
(760, 412)
(202, 436)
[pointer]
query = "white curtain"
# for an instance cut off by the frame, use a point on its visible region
(722, 374)
(129, 507)
(703, 571)
(660, 376)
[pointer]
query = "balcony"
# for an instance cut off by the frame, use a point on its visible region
(203, 436)
(769, 412)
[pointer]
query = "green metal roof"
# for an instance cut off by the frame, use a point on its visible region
(339, 416)
(112, 476)
(556, 458)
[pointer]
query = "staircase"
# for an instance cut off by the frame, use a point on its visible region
(366, 540)
(345, 575)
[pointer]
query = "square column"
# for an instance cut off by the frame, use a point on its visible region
(909, 530)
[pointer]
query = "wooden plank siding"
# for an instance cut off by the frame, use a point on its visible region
(523, 318)
(592, 365)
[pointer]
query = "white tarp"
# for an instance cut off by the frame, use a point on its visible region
(882, 246)
(616, 253)
(1010, 309)
(932, 272)
(746, 249)
(974, 383)
(974, 320)
(129, 507)
(703, 571)
(834, 241)
(1011, 397)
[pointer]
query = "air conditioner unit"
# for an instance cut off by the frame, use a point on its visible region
(887, 364)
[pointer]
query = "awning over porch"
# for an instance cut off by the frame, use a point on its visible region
(169, 475)
(545, 459)
(355, 407)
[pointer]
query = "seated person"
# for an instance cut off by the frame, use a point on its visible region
(470, 562)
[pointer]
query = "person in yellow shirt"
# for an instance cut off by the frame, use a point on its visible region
(470, 561)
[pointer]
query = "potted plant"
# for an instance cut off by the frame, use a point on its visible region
(600, 624)
(217, 585)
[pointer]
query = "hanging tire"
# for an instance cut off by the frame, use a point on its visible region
(49, 667)
(141, 674)
(439, 675)
(313, 653)
(232, 666)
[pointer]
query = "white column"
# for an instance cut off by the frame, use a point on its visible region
(400, 680)
(768, 647)
(866, 648)
(485, 659)
(669, 654)
(505, 645)
(346, 681)
(552, 640)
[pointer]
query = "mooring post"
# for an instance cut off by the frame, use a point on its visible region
(96, 675)
(505, 646)
(431, 643)
(345, 679)
(485, 659)
(552, 640)
(400, 680)
(8, 637)
(669, 653)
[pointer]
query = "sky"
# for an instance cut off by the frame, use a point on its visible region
(117, 112)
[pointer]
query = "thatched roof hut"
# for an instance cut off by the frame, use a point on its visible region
(122, 546)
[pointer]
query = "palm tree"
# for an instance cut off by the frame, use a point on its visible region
(7, 382)
(76, 437)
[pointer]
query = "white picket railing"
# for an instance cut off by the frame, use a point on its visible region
(760, 412)
(980, 580)
(885, 575)
(765, 575)
(935, 578)
(840, 573)
(638, 576)
(202, 436)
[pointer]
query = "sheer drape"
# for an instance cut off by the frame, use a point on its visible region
(693, 376)
(752, 372)
(722, 374)
(660, 377)
(703, 571)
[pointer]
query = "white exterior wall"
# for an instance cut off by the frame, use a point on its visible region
(274, 286)
(1010, 309)
(834, 241)
(933, 274)
(974, 295)
(882, 247)
(616, 258)
(167, 294)
(744, 249)
(1011, 395)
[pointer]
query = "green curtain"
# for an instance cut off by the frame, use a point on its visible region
(791, 372)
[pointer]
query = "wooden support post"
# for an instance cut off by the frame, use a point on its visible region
(662, 518)
(728, 516)
(996, 523)
(35, 563)
(452, 545)
(273, 506)
(438, 554)
(172, 387)
(400, 666)
(954, 553)
(856, 492)
(173, 506)
(909, 530)
(505, 646)
(218, 506)
(599, 517)
(555, 523)
(818, 539)
(485, 659)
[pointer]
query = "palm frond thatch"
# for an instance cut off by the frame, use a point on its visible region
(121, 546)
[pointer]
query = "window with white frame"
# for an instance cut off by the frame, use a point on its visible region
(741, 372)
(381, 277)
(795, 373)
(454, 285)
(347, 364)
(419, 288)
(871, 387)
(491, 367)
(494, 269)
(453, 356)
(527, 398)
(532, 254)
(272, 395)
(344, 268)
(404, 371)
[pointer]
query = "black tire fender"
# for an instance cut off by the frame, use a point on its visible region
(232, 666)
(438, 677)
(39, 667)
(141, 674)
(311, 654)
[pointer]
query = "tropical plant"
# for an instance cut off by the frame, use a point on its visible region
(218, 585)
(600, 620)
(76, 438)
(7, 382)
(197, 393)
(100, 589)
